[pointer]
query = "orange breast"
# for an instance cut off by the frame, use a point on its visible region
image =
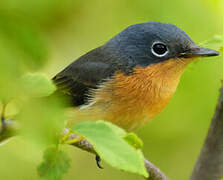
(132, 100)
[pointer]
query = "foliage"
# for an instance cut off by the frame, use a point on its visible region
(133, 140)
(111, 147)
(56, 163)
(37, 85)
(24, 50)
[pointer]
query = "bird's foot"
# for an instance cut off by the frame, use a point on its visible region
(98, 161)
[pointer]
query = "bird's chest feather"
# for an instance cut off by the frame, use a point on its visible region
(131, 100)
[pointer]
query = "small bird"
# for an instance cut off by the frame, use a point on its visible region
(132, 77)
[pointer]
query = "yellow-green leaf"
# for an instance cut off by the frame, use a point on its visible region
(38, 85)
(55, 164)
(111, 147)
(133, 140)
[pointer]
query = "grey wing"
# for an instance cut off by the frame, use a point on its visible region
(84, 74)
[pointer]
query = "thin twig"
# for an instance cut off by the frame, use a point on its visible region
(83, 144)
(155, 173)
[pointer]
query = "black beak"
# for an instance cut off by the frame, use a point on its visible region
(199, 52)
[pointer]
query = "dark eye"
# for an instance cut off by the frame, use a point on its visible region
(159, 49)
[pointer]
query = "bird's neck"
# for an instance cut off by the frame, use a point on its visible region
(163, 77)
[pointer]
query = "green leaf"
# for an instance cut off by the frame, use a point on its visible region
(215, 43)
(55, 164)
(38, 85)
(117, 130)
(111, 147)
(47, 115)
(133, 140)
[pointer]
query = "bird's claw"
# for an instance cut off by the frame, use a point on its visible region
(98, 161)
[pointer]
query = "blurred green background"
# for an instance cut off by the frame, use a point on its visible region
(32, 32)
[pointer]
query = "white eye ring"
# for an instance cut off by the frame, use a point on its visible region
(163, 52)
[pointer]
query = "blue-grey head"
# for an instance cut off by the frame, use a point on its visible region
(153, 42)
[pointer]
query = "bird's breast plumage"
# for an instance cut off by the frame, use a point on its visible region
(132, 100)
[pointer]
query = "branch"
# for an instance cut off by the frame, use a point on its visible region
(209, 165)
(155, 173)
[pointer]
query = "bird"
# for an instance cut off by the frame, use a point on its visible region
(131, 78)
